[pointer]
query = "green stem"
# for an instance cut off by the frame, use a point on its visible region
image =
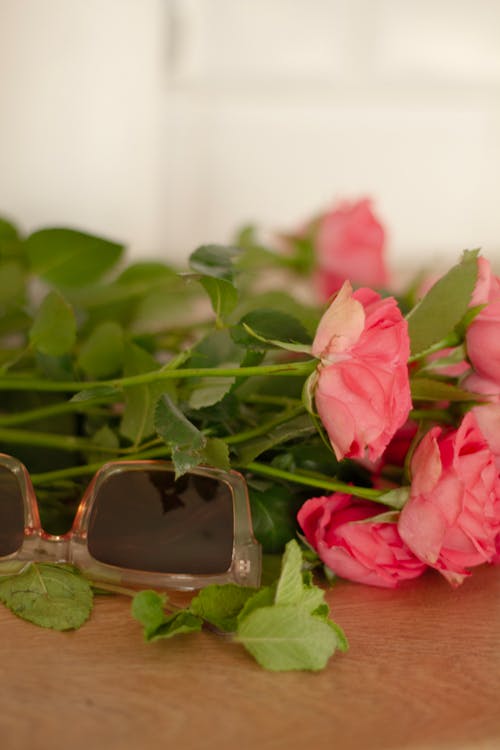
(320, 483)
(285, 416)
(450, 341)
(438, 415)
(64, 407)
(48, 440)
(156, 376)
(262, 398)
(113, 588)
(74, 472)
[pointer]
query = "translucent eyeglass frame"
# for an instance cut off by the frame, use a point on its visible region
(39, 546)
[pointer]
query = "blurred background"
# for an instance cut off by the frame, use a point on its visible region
(169, 123)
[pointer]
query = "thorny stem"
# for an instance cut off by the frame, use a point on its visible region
(325, 483)
(21, 383)
(450, 341)
(265, 427)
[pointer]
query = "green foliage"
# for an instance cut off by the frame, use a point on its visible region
(53, 596)
(291, 429)
(435, 317)
(221, 605)
(215, 350)
(295, 631)
(223, 296)
(137, 422)
(430, 389)
(102, 361)
(174, 428)
(12, 284)
(271, 328)
(54, 328)
(67, 258)
(148, 609)
(273, 515)
(102, 353)
(285, 626)
(214, 260)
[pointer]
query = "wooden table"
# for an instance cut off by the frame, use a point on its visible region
(423, 672)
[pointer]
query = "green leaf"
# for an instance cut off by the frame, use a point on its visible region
(216, 453)
(7, 230)
(209, 391)
(148, 609)
(101, 355)
(270, 328)
(140, 400)
(223, 295)
(298, 427)
(288, 346)
(213, 452)
(184, 459)
(215, 350)
(182, 437)
(66, 257)
(342, 642)
(312, 598)
(429, 389)
(10, 242)
(273, 516)
(137, 278)
(214, 260)
(174, 427)
(177, 624)
(396, 499)
(264, 597)
(287, 638)
(220, 605)
(54, 328)
(105, 437)
(99, 393)
(281, 301)
(290, 583)
(444, 305)
(12, 284)
(49, 595)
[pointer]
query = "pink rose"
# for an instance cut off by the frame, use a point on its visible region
(488, 413)
(394, 456)
(357, 543)
(362, 392)
(452, 517)
(349, 244)
(483, 335)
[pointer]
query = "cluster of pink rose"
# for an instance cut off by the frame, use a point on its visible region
(451, 519)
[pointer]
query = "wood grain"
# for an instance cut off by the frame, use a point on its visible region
(422, 673)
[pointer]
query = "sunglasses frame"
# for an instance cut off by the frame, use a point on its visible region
(72, 547)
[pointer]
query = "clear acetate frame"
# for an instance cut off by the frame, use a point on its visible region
(39, 546)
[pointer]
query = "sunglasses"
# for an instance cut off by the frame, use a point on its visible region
(138, 524)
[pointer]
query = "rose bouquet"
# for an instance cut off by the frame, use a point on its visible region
(362, 415)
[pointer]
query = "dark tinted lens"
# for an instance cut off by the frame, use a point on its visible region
(11, 513)
(146, 520)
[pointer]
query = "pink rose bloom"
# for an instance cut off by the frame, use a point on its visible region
(393, 456)
(357, 543)
(350, 244)
(362, 392)
(483, 335)
(487, 414)
(452, 518)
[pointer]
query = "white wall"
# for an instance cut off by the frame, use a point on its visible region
(168, 124)
(82, 84)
